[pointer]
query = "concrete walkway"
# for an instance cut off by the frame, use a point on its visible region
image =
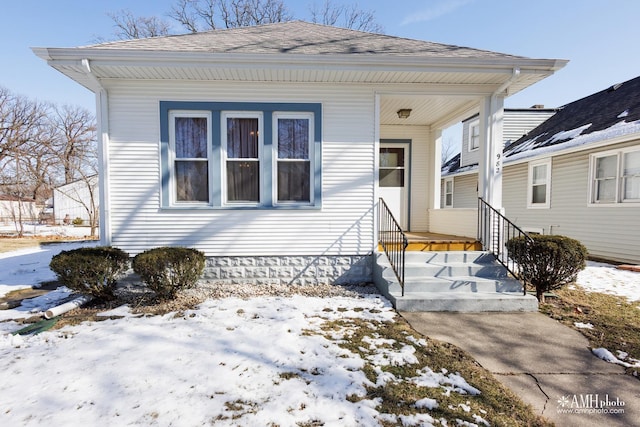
(547, 364)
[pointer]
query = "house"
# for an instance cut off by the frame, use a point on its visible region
(576, 174)
(77, 200)
(268, 147)
(15, 209)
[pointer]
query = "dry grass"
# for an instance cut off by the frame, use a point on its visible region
(615, 320)
(496, 404)
(8, 244)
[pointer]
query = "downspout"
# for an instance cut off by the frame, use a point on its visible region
(102, 117)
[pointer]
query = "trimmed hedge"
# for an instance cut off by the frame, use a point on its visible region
(91, 271)
(549, 262)
(166, 270)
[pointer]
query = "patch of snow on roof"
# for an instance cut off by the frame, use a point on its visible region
(625, 113)
(569, 134)
(618, 130)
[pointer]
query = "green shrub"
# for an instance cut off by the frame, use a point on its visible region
(78, 221)
(167, 270)
(549, 262)
(91, 271)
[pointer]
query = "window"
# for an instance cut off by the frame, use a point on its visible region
(293, 173)
(242, 144)
(448, 193)
(240, 155)
(392, 170)
(615, 177)
(189, 139)
(631, 176)
(539, 184)
(474, 135)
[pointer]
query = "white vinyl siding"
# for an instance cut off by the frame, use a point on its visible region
(343, 224)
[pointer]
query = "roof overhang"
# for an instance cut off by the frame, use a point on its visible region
(439, 90)
(486, 74)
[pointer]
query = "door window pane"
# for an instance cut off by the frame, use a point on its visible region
(391, 171)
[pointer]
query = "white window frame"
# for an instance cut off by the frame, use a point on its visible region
(172, 155)
(547, 183)
(470, 137)
(448, 180)
(619, 199)
(310, 158)
(223, 131)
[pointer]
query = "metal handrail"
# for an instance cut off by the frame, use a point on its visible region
(494, 231)
(393, 241)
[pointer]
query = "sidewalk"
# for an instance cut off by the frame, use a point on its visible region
(546, 363)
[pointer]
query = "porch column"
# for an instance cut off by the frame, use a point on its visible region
(490, 167)
(434, 167)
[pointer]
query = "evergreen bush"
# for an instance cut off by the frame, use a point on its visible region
(166, 270)
(549, 262)
(91, 271)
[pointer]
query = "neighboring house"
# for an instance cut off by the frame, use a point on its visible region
(262, 146)
(517, 123)
(78, 199)
(13, 209)
(577, 174)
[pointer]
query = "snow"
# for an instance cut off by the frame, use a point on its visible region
(230, 362)
(534, 147)
(606, 278)
(581, 325)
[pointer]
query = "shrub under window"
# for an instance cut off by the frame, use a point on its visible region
(91, 271)
(167, 270)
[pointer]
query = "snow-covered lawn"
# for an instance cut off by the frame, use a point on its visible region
(259, 361)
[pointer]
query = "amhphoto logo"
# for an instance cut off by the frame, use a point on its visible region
(590, 404)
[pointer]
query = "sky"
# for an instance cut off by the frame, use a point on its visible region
(596, 36)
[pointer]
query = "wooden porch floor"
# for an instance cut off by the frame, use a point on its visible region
(419, 241)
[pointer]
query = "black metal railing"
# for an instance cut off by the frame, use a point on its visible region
(393, 240)
(494, 231)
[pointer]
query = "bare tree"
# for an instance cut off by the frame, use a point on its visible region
(450, 147)
(129, 26)
(204, 15)
(75, 147)
(347, 16)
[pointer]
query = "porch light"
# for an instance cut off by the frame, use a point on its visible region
(404, 113)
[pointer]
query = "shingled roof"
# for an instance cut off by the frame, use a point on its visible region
(299, 37)
(609, 113)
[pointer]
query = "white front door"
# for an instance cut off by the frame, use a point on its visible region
(393, 180)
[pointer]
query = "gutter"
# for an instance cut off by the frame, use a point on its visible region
(102, 117)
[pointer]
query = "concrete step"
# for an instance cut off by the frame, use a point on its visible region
(452, 281)
(464, 302)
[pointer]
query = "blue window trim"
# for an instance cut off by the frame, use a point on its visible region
(216, 108)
